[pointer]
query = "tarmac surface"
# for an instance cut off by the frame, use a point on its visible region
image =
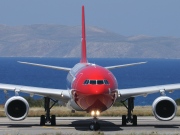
(80, 126)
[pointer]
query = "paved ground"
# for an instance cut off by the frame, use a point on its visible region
(79, 126)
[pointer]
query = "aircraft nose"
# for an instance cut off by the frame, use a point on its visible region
(97, 90)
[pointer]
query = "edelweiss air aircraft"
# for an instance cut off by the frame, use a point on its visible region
(93, 89)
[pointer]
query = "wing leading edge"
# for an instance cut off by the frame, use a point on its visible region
(59, 94)
(144, 91)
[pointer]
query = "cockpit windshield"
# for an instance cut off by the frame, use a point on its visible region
(100, 81)
(96, 82)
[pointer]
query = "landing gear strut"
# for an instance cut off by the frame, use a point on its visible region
(129, 118)
(94, 126)
(46, 118)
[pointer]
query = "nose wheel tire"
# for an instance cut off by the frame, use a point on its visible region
(94, 126)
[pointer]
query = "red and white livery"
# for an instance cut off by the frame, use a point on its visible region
(91, 88)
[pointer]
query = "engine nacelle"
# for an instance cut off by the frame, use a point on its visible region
(164, 108)
(16, 108)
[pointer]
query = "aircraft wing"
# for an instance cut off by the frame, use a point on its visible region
(58, 94)
(144, 91)
(124, 65)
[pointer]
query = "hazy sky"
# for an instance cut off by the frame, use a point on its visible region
(126, 17)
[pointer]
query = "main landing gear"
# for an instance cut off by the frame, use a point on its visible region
(129, 118)
(46, 118)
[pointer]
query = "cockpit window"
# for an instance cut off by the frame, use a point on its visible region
(106, 82)
(92, 81)
(100, 81)
(96, 82)
(86, 82)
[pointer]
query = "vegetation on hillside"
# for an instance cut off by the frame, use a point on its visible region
(43, 40)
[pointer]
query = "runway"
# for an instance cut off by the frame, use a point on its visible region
(79, 126)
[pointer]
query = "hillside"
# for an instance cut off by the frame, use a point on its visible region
(43, 40)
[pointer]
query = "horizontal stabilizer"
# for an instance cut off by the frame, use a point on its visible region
(125, 65)
(46, 66)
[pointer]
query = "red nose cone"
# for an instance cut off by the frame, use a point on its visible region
(94, 88)
(97, 89)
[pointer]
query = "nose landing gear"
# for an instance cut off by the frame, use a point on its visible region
(94, 125)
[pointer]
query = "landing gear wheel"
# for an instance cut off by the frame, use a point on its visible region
(53, 120)
(46, 118)
(123, 120)
(42, 120)
(91, 126)
(129, 118)
(134, 120)
(94, 126)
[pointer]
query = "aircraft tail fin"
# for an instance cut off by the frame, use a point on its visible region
(83, 41)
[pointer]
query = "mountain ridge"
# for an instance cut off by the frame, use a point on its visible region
(48, 40)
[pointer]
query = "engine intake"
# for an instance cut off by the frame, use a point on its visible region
(16, 108)
(164, 108)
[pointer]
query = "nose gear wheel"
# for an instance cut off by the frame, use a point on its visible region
(94, 125)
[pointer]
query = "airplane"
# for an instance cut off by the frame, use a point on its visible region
(91, 88)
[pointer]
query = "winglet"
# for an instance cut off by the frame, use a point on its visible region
(83, 42)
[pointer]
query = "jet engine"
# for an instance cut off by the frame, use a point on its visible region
(164, 108)
(16, 108)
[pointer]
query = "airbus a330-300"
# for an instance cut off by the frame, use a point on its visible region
(91, 88)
